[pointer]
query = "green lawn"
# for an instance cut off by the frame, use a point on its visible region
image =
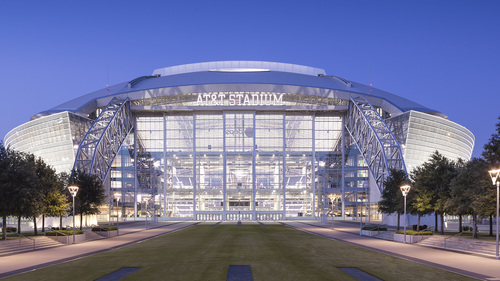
(274, 252)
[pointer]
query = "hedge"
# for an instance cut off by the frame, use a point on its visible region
(374, 228)
(104, 228)
(413, 232)
(11, 229)
(66, 232)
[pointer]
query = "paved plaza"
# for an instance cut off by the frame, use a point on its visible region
(481, 267)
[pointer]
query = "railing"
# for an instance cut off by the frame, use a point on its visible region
(21, 238)
(57, 232)
(446, 239)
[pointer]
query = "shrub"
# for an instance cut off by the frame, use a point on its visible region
(11, 229)
(466, 228)
(104, 228)
(57, 228)
(413, 232)
(374, 228)
(422, 227)
(66, 232)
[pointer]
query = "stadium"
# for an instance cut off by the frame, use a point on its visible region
(240, 140)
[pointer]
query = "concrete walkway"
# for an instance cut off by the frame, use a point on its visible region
(484, 268)
(129, 234)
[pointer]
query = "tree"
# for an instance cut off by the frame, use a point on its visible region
(21, 180)
(392, 199)
(90, 193)
(459, 201)
(471, 192)
(5, 194)
(63, 180)
(491, 152)
(30, 196)
(54, 201)
(432, 186)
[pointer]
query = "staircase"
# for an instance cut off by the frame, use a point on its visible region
(90, 236)
(386, 235)
(460, 244)
(11, 247)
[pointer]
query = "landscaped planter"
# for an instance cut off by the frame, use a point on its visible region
(410, 238)
(69, 239)
(107, 234)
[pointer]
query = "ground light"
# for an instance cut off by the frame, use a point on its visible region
(73, 190)
(495, 177)
(405, 189)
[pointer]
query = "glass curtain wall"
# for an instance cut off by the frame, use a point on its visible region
(269, 166)
(235, 166)
(298, 172)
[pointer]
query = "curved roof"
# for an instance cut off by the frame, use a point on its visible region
(240, 76)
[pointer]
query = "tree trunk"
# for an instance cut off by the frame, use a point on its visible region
(491, 225)
(436, 229)
(35, 230)
(19, 225)
(43, 223)
(4, 227)
(418, 222)
(442, 223)
(460, 227)
(474, 226)
(399, 221)
(81, 221)
(60, 222)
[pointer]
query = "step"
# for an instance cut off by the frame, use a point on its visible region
(465, 245)
(11, 247)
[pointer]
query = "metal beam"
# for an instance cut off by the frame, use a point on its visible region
(374, 140)
(103, 140)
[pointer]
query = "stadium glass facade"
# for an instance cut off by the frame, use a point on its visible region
(240, 140)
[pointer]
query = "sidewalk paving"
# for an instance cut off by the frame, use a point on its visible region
(480, 267)
(129, 234)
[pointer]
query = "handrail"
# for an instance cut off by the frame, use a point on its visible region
(458, 234)
(57, 232)
(430, 228)
(22, 236)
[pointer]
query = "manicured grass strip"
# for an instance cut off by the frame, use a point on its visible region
(274, 252)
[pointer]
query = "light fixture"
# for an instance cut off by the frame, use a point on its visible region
(405, 189)
(495, 178)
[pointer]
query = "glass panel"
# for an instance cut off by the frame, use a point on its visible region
(209, 179)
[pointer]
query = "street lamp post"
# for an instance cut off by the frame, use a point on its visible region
(332, 198)
(495, 177)
(146, 202)
(117, 195)
(405, 189)
(73, 190)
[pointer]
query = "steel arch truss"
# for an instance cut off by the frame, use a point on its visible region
(102, 142)
(374, 140)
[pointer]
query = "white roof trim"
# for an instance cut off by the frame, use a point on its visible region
(241, 65)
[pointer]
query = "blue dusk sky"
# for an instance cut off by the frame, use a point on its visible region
(444, 55)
